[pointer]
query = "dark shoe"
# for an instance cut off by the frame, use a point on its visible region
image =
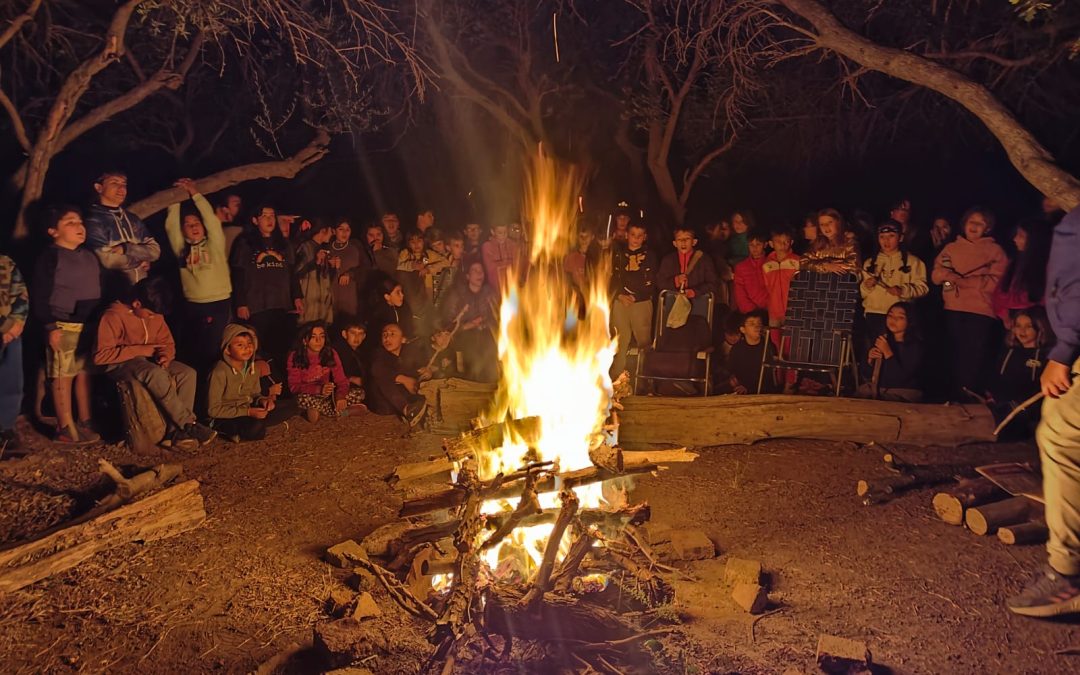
(1049, 594)
(86, 433)
(9, 442)
(415, 411)
(180, 440)
(64, 435)
(200, 432)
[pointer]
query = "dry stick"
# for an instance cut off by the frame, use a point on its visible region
(402, 595)
(875, 378)
(759, 617)
(570, 564)
(527, 506)
(542, 583)
(1017, 410)
(453, 332)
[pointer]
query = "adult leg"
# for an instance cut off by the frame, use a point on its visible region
(11, 383)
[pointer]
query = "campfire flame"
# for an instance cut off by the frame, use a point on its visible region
(555, 349)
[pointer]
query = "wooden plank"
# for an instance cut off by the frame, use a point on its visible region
(173, 510)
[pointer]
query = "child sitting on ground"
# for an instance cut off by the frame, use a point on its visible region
(352, 348)
(394, 386)
(237, 408)
(901, 353)
(134, 344)
(65, 295)
(744, 361)
(317, 378)
(1016, 377)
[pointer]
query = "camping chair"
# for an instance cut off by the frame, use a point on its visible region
(655, 365)
(817, 331)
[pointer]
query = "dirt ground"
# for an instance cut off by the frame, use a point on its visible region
(249, 583)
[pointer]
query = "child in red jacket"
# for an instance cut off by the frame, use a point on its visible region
(750, 292)
(780, 267)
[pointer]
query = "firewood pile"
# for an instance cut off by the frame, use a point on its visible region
(996, 499)
(594, 591)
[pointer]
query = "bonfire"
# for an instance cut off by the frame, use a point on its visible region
(534, 540)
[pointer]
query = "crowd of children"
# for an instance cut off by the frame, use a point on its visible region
(283, 315)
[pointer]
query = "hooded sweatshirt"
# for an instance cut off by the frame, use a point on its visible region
(974, 269)
(887, 268)
(122, 336)
(263, 269)
(231, 392)
(204, 267)
(750, 291)
(107, 228)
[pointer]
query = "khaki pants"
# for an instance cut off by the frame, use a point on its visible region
(1059, 445)
(627, 320)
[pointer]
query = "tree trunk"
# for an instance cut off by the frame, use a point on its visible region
(1030, 158)
(283, 168)
(723, 420)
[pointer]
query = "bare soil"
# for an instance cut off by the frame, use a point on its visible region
(249, 584)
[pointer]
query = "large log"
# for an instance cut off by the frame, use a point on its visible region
(723, 420)
(169, 512)
(453, 403)
(987, 518)
(143, 423)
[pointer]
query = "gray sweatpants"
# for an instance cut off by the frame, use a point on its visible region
(172, 388)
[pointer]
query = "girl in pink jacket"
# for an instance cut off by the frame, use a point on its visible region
(317, 378)
(968, 270)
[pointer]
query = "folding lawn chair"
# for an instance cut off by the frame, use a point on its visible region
(657, 363)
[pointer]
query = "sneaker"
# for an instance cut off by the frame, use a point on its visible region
(86, 433)
(200, 432)
(1049, 594)
(415, 411)
(64, 435)
(180, 440)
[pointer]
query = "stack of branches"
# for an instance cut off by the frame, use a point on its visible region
(585, 609)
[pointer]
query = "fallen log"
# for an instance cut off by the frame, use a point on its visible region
(173, 510)
(987, 518)
(143, 424)
(453, 402)
(951, 503)
(554, 617)
(724, 420)
(1032, 532)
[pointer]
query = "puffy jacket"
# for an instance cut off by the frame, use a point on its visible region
(107, 228)
(778, 275)
(887, 269)
(1063, 288)
(973, 270)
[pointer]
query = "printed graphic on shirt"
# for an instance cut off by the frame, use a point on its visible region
(269, 259)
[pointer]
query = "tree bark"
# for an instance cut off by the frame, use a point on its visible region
(987, 518)
(950, 504)
(283, 168)
(1030, 158)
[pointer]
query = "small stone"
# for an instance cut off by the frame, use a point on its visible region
(366, 607)
(362, 580)
(742, 571)
(338, 601)
(656, 533)
(842, 655)
(344, 554)
(346, 641)
(751, 597)
(692, 545)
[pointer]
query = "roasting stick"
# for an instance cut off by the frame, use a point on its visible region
(1017, 410)
(875, 379)
(453, 332)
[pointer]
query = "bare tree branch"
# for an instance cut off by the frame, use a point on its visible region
(18, 22)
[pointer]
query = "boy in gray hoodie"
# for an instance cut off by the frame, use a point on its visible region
(236, 405)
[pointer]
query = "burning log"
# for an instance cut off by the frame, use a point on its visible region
(542, 583)
(552, 619)
(507, 487)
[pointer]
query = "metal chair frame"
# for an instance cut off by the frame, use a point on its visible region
(778, 362)
(659, 321)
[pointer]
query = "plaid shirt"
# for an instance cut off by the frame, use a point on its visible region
(14, 301)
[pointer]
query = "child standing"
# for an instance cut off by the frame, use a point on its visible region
(500, 253)
(1024, 283)
(750, 292)
(134, 344)
(66, 293)
(316, 376)
(744, 360)
(14, 307)
(969, 269)
(237, 408)
(780, 267)
(633, 283)
(900, 351)
(834, 251)
(199, 245)
(315, 275)
(890, 276)
(738, 244)
(350, 268)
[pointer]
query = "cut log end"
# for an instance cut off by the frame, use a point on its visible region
(987, 518)
(1033, 532)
